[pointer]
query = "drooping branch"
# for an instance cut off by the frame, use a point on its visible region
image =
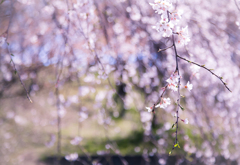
(11, 55)
(58, 76)
(179, 96)
(93, 51)
(203, 66)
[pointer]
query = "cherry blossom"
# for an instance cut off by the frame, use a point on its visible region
(168, 21)
(189, 86)
(183, 37)
(2, 40)
(71, 157)
(212, 34)
(76, 140)
(175, 17)
(161, 6)
(195, 70)
(164, 103)
(173, 82)
(164, 27)
(185, 121)
(150, 109)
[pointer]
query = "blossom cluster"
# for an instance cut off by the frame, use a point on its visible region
(164, 103)
(169, 21)
(173, 82)
(173, 85)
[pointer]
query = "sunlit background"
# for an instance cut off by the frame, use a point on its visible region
(90, 67)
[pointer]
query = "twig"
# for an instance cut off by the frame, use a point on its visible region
(79, 125)
(9, 52)
(113, 147)
(58, 127)
(94, 52)
(203, 66)
(165, 48)
(160, 98)
(178, 100)
(237, 5)
(16, 72)
(58, 75)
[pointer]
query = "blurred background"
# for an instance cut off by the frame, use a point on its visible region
(92, 66)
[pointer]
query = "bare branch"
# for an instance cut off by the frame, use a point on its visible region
(16, 72)
(203, 66)
(10, 54)
(179, 96)
(237, 5)
(165, 48)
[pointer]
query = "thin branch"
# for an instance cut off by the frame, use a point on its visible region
(58, 75)
(16, 72)
(165, 48)
(179, 96)
(65, 37)
(203, 66)
(94, 52)
(160, 98)
(80, 103)
(175, 50)
(59, 134)
(10, 54)
(237, 5)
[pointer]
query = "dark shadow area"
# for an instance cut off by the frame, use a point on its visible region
(137, 160)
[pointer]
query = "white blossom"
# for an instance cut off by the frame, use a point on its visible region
(189, 86)
(161, 6)
(183, 37)
(185, 121)
(175, 17)
(76, 140)
(149, 109)
(164, 103)
(164, 27)
(71, 157)
(2, 40)
(173, 82)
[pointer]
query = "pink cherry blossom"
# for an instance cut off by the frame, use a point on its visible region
(173, 82)
(175, 17)
(183, 37)
(149, 109)
(161, 6)
(164, 103)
